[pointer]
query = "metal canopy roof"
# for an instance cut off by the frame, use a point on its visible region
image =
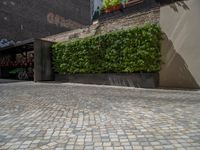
(26, 45)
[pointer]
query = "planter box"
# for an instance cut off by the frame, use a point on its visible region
(113, 8)
(141, 80)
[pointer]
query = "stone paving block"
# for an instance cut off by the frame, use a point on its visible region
(61, 116)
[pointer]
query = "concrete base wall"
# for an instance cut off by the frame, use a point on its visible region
(140, 80)
(181, 46)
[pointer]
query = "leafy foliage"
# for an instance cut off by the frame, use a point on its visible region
(109, 3)
(126, 51)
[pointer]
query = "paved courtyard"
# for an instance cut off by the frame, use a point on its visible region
(67, 116)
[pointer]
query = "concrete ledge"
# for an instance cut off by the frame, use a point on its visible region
(140, 80)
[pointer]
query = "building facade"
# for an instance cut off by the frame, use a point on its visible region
(24, 19)
(21, 20)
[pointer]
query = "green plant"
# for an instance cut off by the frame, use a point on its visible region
(106, 4)
(115, 2)
(110, 3)
(126, 51)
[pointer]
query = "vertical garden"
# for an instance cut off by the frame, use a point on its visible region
(136, 50)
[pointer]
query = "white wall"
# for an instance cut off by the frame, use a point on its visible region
(96, 4)
(181, 47)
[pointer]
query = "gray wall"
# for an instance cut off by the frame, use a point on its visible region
(24, 19)
(181, 48)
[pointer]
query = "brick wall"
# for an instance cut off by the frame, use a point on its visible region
(104, 26)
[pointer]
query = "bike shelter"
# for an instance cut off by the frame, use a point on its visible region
(17, 61)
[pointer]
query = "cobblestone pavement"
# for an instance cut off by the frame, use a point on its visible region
(67, 116)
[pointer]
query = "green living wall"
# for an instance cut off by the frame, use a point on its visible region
(126, 51)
